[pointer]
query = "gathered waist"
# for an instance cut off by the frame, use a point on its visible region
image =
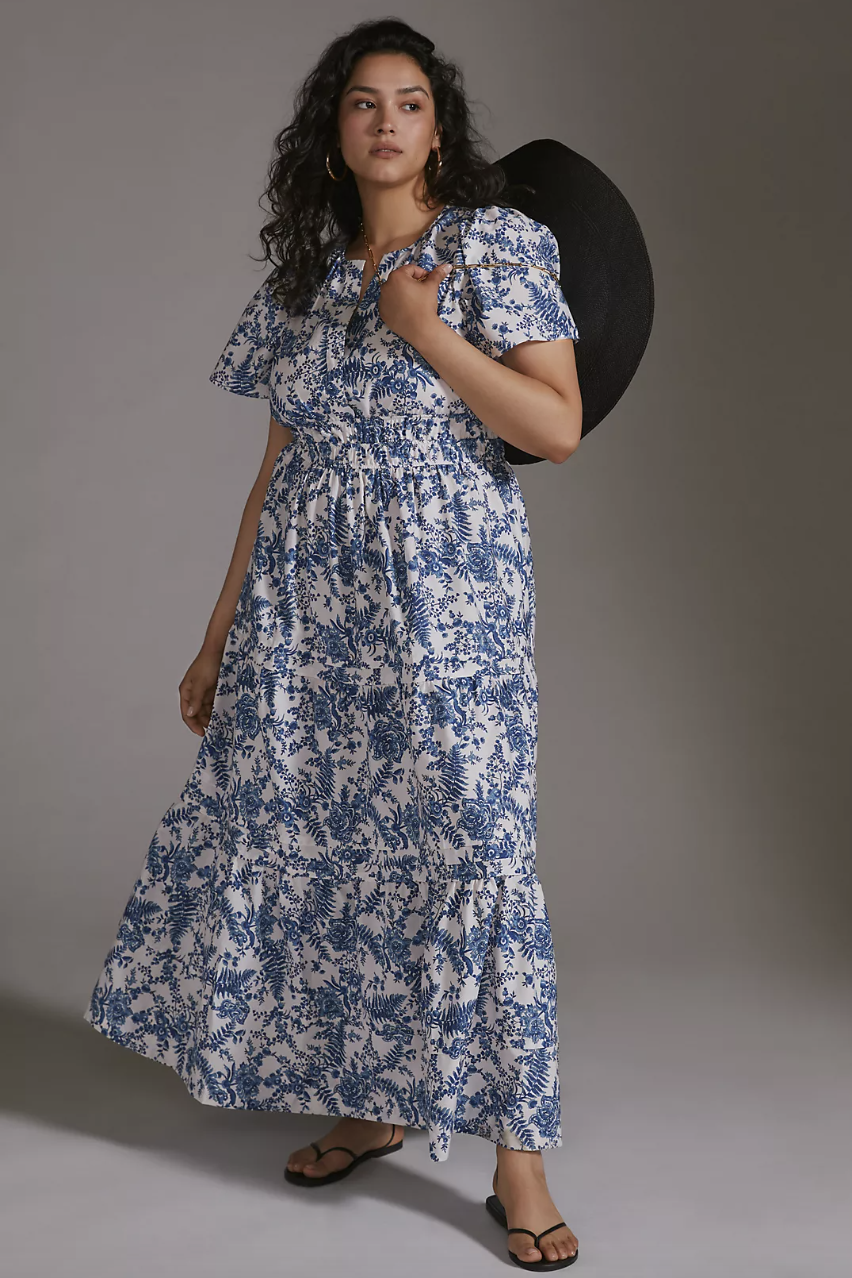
(352, 441)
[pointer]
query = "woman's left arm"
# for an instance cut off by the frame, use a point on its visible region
(529, 396)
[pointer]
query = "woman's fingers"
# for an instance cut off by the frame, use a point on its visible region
(187, 706)
(197, 691)
(194, 708)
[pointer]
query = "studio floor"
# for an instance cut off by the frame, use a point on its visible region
(707, 1125)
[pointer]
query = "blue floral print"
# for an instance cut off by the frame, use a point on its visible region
(340, 914)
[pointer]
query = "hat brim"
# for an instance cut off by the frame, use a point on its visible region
(605, 269)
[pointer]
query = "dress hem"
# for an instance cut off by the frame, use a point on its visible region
(387, 1115)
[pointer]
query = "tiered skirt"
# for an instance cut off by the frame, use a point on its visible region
(340, 914)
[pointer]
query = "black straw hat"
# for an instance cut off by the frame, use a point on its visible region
(604, 267)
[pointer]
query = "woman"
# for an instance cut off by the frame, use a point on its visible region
(340, 914)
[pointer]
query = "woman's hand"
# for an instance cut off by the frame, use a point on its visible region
(408, 299)
(197, 690)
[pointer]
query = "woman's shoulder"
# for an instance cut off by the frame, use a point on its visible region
(506, 232)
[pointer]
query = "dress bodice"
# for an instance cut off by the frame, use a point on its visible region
(339, 366)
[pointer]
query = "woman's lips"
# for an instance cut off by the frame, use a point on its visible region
(385, 151)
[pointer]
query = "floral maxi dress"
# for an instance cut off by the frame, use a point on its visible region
(340, 914)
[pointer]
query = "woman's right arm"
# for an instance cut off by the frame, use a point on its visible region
(198, 687)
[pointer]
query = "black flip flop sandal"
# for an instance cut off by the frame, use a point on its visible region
(299, 1178)
(498, 1211)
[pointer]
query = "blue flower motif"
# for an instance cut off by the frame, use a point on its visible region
(234, 1009)
(324, 715)
(246, 716)
(546, 1117)
(477, 818)
(118, 1008)
(532, 1022)
(328, 1002)
(342, 821)
(248, 1082)
(397, 948)
(480, 563)
(340, 934)
(388, 740)
(353, 1090)
(251, 801)
(542, 939)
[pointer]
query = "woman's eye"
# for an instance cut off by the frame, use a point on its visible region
(366, 102)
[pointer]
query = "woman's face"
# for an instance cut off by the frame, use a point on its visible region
(387, 100)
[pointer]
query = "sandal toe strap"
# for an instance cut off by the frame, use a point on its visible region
(536, 1237)
(344, 1148)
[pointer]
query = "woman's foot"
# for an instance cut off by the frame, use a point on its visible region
(521, 1187)
(358, 1134)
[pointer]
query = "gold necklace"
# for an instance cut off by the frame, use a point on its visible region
(369, 248)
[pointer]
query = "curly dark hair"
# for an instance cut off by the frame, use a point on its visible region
(312, 215)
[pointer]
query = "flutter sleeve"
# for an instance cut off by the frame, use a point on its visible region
(505, 305)
(245, 365)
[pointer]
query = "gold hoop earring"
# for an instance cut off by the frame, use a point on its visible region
(440, 161)
(330, 174)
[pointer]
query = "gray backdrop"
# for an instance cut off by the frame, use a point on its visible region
(692, 567)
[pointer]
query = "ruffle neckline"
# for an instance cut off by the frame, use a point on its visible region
(356, 264)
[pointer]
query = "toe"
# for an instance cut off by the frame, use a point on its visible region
(302, 1164)
(560, 1248)
(321, 1168)
(298, 1158)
